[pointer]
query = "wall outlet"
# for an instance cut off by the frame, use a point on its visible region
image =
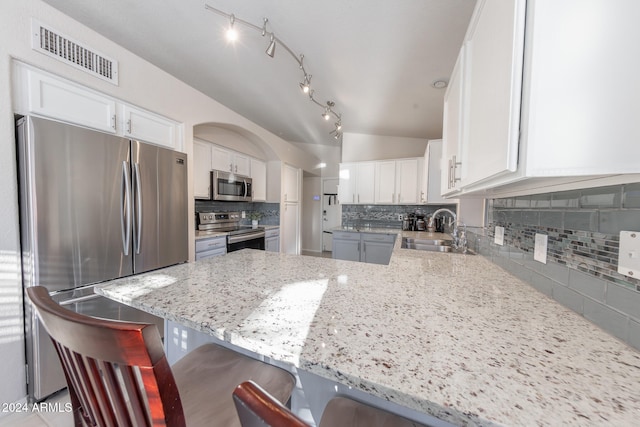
(243, 214)
(629, 254)
(498, 237)
(540, 248)
(400, 216)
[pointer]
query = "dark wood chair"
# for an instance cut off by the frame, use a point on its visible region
(256, 408)
(118, 375)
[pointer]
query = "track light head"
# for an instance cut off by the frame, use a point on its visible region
(232, 34)
(271, 50)
(305, 85)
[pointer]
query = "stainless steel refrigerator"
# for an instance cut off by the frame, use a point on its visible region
(93, 207)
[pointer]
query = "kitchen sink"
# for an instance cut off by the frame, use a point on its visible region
(433, 245)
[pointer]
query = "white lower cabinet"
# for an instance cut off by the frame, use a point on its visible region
(374, 248)
(211, 247)
(272, 240)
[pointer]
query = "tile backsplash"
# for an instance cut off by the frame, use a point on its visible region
(270, 211)
(383, 216)
(583, 229)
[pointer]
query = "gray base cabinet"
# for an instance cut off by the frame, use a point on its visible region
(211, 247)
(374, 248)
(272, 240)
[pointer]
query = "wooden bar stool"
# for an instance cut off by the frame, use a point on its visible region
(256, 408)
(118, 375)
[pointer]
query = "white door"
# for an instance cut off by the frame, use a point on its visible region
(221, 159)
(259, 177)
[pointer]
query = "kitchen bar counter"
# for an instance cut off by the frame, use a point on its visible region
(451, 335)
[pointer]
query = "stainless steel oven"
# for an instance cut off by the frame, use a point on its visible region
(230, 187)
(239, 236)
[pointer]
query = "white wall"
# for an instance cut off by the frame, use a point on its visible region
(358, 147)
(330, 155)
(140, 84)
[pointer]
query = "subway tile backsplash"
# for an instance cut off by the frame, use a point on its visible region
(270, 212)
(583, 229)
(383, 216)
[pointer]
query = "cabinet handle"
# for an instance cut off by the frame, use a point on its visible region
(230, 167)
(236, 168)
(113, 122)
(455, 167)
(353, 198)
(129, 126)
(393, 197)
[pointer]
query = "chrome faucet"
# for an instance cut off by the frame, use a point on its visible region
(453, 215)
(459, 239)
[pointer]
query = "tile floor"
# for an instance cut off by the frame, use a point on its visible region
(52, 414)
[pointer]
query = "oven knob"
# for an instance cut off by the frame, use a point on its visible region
(210, 216)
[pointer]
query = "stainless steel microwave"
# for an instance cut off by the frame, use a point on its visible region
(230, 187)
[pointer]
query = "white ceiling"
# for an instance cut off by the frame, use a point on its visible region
(376, 59)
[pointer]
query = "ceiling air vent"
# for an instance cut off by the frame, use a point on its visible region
(52, 43)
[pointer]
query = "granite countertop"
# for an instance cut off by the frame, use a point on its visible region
(451, 335)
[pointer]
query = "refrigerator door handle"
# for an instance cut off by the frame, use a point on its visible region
(125, 211)
(138, 208)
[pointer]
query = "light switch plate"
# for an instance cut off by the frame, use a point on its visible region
(243, 214)
(540, 248)
(498, 238)
(629, 254)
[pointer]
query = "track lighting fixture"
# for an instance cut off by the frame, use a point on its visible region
(305, 86)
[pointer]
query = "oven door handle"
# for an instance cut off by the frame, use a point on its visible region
(244, 237)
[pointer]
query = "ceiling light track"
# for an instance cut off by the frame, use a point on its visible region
(274, 41)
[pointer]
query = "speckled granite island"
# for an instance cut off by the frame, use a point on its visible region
(449, 335)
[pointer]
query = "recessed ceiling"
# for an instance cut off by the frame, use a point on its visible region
(375, 59)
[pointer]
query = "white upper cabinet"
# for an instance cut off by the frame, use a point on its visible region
(432, 175)
(385, 182)
(357, 183)
(291, 184)
(259, 180)
(202, 169)
(534, 113)
(494, 52)
(44, 94)
(53, 97)
(230, 161)
(452, 129)
(407, 180)
(146, 126)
